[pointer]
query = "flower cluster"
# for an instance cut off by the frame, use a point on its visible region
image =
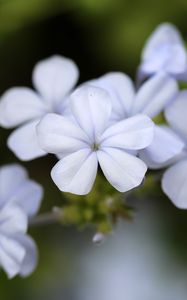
(108, 122)
(20, 200)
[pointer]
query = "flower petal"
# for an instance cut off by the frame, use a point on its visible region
(20, 105)
(176, 114)
(164, 34)
(133, 133)
(57, 134)
(91, 107)
(11, 176)
(154, 95)
(24, 143)
(13, 219)
(164, 50)
(169, 58)
(123, 171)
(11, 255)
(31, 255)
(121, 90)
(28, 195)
(165, 145)
(174, 184)
(76, 172)
(54, 78)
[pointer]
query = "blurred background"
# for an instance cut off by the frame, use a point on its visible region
(143, 259)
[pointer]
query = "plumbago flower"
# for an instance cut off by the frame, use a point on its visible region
(20, 199)
(88, 140)
(164, 51)
(53, 78)
(174, 181)
(151, 98)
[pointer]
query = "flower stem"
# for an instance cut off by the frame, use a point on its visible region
(47, 218)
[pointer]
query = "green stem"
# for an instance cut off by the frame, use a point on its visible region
(47, 218)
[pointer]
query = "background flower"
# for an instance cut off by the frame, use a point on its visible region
(20, 198)
(150, 99)
(174, 181)
(53, 79)
(164, 51)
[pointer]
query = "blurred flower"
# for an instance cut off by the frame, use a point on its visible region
(164, 51)
(88, 140)
(53, 78)
(151, 98)
(20, 198)
(174, 181)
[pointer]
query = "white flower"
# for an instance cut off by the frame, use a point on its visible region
(164, 51)
(20, 198)
(174, 181)
(53, 79)
(88, 140)
(152, 97)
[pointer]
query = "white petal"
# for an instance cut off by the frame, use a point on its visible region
(31, 255)
(169, 58)
(11, 255)
(121, 90)
(76, 172)
(91, 108)
(20, 105)
(133, 133)
(176, 114)
(174, 184)
(54, 78)
(24, 143)
(28, 195)
(154, 95)
(57, 134)
(123, 171)
(165, 145)
(12, 219)
(164, 34)
(11, 176)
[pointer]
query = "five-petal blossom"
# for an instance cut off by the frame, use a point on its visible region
(53, 78)
(89, 139)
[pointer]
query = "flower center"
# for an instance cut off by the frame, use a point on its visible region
(95, 147)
